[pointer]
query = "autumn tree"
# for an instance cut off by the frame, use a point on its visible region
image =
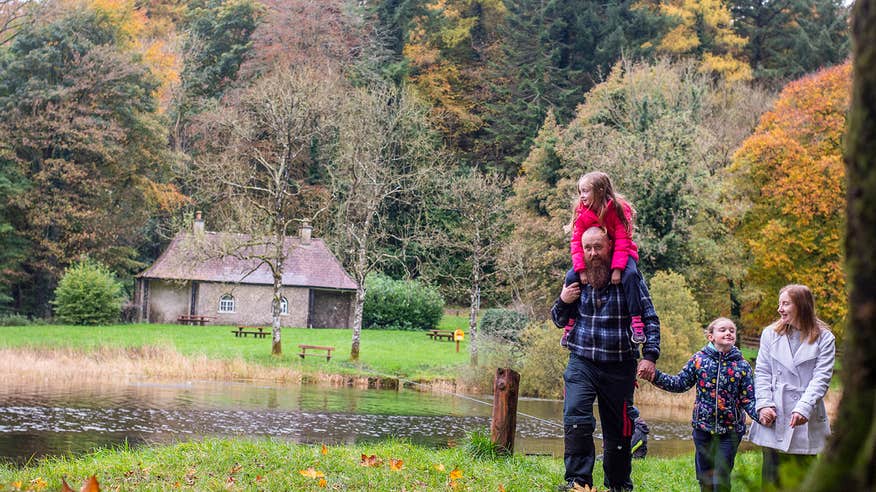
(81, 135)
(847, 463)
(13, 16)
(702, 30)
(790, 173)
(254, 168)
(384, 149)
(681, 322)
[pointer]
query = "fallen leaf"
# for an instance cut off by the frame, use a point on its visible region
(90, 485)
(582, 488)
(321, 482)
(501, 488)
(372, 460)
(64, 486)
(17, 485)
(311, 473)
(234, 469)
(438, 466)
(396, 465)
(177, 485)
(259, 478)
(324, 450)
(38, 483)
(229, 480)
(455, 474)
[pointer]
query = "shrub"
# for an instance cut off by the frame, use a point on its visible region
(503, 323)
(13, 319)
(400, 304)
(681, 331)
(88, 294)
(544, 361)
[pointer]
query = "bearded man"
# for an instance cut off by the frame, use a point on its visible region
(602, 366)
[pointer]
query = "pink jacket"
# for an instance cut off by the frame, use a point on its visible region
(624, 247)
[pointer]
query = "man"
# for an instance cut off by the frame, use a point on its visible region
(602, 366)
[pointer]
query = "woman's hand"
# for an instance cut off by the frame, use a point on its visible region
(767, 416)
(797, 419)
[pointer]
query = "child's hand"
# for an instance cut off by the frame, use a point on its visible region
(767, 416)
(615, 276)
(582, 278)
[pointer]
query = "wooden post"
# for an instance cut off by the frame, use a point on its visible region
(504, 422)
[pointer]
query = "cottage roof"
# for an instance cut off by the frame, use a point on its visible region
(232, 258)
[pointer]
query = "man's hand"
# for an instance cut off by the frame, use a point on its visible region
(646, 370)
(797, 419)
(570, 293)
(615, 276)
(767, 416)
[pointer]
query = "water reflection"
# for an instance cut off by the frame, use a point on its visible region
(40, 418)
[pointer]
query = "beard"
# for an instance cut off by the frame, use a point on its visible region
(598, 273)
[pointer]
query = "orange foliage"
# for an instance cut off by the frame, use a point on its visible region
(791, 170)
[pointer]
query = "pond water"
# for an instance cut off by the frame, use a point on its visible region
(55, 418)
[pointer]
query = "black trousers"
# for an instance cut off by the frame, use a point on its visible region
(611, 384)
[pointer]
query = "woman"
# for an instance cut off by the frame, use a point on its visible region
(791, 376)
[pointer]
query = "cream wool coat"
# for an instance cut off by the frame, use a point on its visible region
(793, 383)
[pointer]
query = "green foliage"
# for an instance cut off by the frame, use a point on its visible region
(789, 39)
(550, 54)
(544, 361)
(503, 323)
(88, 294)
(400, 304)
(681, 331)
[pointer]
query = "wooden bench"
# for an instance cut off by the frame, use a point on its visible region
(441, 335)
(319, 348)
(255, 331)
(193, 319)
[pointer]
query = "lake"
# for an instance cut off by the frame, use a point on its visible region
(47, 417)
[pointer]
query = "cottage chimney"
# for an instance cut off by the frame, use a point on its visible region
(305, 234)
(198, 224)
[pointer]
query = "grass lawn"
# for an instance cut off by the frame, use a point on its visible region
(245, 464)
(409, 354)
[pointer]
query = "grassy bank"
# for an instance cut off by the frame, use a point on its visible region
(396, 353)
(243, 464)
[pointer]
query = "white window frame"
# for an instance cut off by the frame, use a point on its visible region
(225, 301)
(284, 306)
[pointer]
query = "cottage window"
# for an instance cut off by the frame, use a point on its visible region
(226, 304)
(284, 306)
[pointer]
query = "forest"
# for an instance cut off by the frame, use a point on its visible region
(437, 140)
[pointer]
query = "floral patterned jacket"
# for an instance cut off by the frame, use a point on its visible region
(725, 389)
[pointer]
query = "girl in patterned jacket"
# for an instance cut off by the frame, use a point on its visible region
(724, 394)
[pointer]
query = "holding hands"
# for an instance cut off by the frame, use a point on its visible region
(767, 417)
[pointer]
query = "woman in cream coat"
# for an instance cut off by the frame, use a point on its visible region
(791, 376)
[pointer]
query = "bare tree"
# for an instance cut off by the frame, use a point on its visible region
(13, 16)
(384, 152)
(848, 462)
(255, 165)
(479, 225)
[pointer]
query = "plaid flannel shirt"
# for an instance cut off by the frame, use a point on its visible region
(602, 324)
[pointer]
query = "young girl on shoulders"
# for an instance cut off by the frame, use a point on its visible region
(599, 205)
(724, 394)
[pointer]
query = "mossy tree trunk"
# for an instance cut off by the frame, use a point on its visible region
(849, 462)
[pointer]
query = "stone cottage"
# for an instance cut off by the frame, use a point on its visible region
(218, 275)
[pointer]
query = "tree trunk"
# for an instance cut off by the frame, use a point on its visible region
(357, 321)
(473, 324)
(849, 462)
(276, 345)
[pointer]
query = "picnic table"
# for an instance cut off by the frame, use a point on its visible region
(326, 351)
(255, 331)
(193, 319)
(441, 335)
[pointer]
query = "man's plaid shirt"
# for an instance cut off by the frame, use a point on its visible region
(602, 324)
